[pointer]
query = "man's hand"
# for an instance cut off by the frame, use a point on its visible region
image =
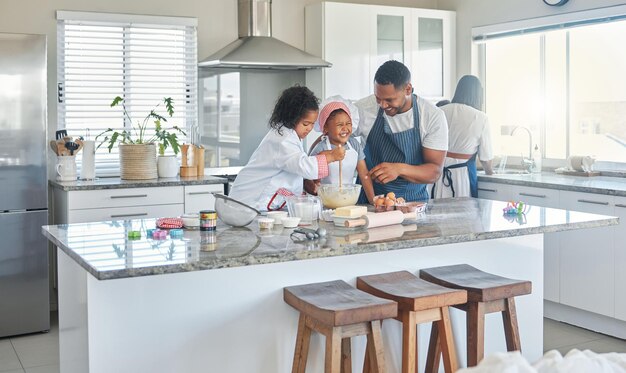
(385, 172)
(311, 186)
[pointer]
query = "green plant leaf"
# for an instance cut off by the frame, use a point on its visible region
(169, 105)
(113, 140)
(116, 101)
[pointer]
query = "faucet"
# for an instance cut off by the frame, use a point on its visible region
(527, 163)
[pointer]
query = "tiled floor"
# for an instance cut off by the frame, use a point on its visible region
(39, 353)
(34, 353)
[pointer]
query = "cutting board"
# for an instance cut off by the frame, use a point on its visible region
(580, 173)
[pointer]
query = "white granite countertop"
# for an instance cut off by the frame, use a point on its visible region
(104, 250)
(117, 183)
(550, 180)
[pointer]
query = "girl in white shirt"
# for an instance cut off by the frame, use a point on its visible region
(468, 136)
(279, 165)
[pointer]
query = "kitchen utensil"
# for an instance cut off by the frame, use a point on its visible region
(60, 134)
(334, 196)
(71, 146)
(53, 146)
(310, 234)
(278, 216)
(291, 222)
(340, 178)
(307, 208)
(62, 150)
(381, 219)
(80, 143)
(233, 212)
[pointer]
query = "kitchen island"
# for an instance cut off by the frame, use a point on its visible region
(213, 302)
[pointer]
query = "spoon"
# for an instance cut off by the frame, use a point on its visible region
(53, 146)
(340, 178)
(71, 146)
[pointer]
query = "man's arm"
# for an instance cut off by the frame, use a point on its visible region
(426, 173)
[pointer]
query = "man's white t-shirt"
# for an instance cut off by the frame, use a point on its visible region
(469, 131)
(433, 125)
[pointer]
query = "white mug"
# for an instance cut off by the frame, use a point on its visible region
(66, 168)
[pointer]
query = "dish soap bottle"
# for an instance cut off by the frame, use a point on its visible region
(537, 159)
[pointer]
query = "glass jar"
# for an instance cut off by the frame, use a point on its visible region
(208, 220)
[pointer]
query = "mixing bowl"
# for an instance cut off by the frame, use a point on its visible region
(333, 197)
(233, 212)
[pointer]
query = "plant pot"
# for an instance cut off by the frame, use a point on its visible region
(138, 161)
(167, 165)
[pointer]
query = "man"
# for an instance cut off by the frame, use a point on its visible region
(406, 137)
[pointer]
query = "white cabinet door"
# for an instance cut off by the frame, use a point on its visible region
(391, 36)
(200, 197)
(620, 258)
(494, 191)
(433, 49)
(587, 257)
(551, 241)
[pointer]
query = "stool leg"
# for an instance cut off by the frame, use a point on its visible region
(475, 333)
(375, 348)
(511, 331)
(434, 350)
(332, 363)
(346, 356)
(409, 341)
(447, 342)
(302, 346)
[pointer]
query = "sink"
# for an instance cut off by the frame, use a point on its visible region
(511, 172)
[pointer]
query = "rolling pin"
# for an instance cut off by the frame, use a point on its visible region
(381, 219)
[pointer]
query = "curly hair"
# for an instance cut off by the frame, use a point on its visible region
(393, 72)
(293, 104)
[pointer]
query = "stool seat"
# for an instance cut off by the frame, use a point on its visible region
(336, 303)
(411, 292)
(481, 286)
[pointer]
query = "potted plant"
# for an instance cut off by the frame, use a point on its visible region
(138, 149)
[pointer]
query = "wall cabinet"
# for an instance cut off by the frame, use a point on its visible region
(358, 38)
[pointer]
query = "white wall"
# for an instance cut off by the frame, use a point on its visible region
(487, 12)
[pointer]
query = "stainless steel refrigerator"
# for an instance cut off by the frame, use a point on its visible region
(24, 289)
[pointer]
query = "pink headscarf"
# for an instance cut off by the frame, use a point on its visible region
(333, 103)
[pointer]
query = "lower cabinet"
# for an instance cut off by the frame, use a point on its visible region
(494, 191)
(200, 197)
(619, 238)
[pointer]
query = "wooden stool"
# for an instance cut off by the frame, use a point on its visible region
(338, 311)
(419, 302)
(486, 293)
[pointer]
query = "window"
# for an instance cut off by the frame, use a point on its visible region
(140, 58)
(565, 84)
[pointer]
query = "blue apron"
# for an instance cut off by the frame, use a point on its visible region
(403, 147)
(446, 177)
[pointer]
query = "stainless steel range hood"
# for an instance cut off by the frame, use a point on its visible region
(256, 48)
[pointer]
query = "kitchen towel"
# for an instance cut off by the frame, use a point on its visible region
(88, 165)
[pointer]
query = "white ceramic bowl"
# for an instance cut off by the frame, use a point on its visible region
(278, 216)
(291, 222)
(191, 220)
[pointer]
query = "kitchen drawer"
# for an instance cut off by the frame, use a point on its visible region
(200, 197)
(536, 196)
(494, 191)
(91, 199)
(123, 213)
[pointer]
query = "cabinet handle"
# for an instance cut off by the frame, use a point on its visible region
(130, 196)
(488, 190)
(197, 193)
(129, 215)
(619, 205)
(533, 195)
(594, 202)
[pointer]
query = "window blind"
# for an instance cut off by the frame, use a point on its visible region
(141, 62)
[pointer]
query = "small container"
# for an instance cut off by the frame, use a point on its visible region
(191, 221)
(266, 223)
(134, 235)
(208, 220)
(176, 233)
(149, 232)
(159, 234)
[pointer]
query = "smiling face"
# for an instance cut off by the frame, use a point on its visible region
(338, 127)
(393, 101)
(304, 125)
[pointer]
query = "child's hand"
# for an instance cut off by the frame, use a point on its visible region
(337, 154)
